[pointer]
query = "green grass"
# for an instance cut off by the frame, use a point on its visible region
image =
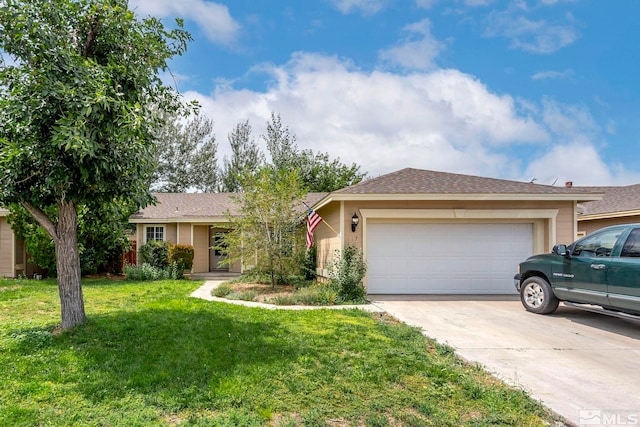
(150, 355)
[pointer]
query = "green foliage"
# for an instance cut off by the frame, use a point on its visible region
(309, 264)
(182, 255)
(101, 237)
(317, 294)
(316, 171)
(347, 272)
(267, 229)
(149, 272)
(222, 290)
(155, 253)
(242, 295)
(246, 157)
(185, 154)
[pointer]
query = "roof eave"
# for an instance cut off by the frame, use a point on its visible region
(608, 215)
(336, 197)
(168, 220)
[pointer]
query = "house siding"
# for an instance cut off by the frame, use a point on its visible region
(184, 234)
(7, 267)
(589, 226)
(201, 249)
(325, 239)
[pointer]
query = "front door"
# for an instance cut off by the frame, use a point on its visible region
(215, 253)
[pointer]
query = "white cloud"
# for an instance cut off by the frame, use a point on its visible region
(576, 154)
(417, 50)
(444, 120)
(581, 164)
(536, 36)
(214, 19)
(543, 75)
(366, 7)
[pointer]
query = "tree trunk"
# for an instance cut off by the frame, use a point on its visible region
(68, 266)
(65, 238)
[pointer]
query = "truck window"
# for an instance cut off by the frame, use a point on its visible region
(631, 247)
(597, 244)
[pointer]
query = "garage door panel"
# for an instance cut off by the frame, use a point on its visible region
(445, 258)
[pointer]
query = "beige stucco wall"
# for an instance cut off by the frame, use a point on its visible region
(547, 231)
(184, 234)
(6, 249)
(201, 249)
(326, 239)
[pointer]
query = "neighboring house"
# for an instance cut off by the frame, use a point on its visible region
(620, 205)
(13, 255)
(426, 232)
(197, 219)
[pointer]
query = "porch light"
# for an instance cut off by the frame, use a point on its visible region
(354, 221)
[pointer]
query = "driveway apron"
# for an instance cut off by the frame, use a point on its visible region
(583, 366)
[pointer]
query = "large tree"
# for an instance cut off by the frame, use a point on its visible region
(75, 115)
(317, 171)
(186, 154)
(246, 157)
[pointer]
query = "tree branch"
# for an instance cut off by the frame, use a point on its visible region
(42, 219)
(91, 37)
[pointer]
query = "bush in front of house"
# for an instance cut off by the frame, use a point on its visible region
(150, 272)
(182, 255)
(155, 253)
(222, 290)
(346, 274)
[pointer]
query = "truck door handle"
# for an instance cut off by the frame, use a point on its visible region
(598, 266)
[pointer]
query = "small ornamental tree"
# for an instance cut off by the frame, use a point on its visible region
(76, 122)
(267, 231)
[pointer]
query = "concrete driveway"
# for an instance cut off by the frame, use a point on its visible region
(584, 366)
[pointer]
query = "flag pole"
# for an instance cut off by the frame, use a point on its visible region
(325, 222)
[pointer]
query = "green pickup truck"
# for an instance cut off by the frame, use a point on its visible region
(601, 269)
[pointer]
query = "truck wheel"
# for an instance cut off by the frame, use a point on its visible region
(537, 297)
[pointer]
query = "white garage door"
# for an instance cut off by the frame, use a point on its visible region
(445, 258)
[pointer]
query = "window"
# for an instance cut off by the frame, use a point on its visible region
(597, 244)
(155, 232)
(631, 247)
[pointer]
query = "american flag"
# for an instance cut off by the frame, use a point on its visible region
(313, 221)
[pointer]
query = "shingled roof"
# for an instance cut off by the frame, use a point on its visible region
(176, 207)
(615, 200)
(418, 181)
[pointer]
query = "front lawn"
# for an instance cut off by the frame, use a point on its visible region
(151, 355)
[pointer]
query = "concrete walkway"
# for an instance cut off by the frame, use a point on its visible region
(204, 292)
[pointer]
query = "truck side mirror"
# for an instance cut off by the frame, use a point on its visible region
(561, 250)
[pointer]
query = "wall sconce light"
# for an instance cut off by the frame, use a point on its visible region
(354, 221)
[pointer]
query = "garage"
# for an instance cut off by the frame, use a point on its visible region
(445, 258)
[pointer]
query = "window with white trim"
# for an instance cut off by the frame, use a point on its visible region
(154, 232)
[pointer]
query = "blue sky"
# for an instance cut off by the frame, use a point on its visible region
(544, 89)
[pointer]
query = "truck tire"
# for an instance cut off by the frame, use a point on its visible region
(537, 297)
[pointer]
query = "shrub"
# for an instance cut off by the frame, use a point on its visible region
(242, 295)
(149, 272)
(347, 273)
(308, 268)
(182, 255)
(222, 290)
(317, 294)
(155, 253)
